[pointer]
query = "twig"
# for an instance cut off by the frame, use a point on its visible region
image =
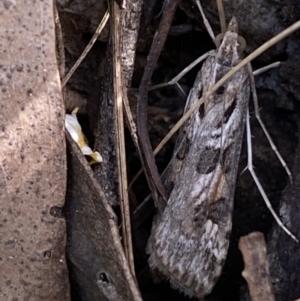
(256, 270)
(130, 28)
(221, 15)
(156, 47)
(257, 115)
(257, 182)
(87, 48)
(119, 126)
(130, 122)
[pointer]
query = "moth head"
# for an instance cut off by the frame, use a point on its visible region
(241, 42)
(233, 25)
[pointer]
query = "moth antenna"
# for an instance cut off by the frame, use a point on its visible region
(205, 21)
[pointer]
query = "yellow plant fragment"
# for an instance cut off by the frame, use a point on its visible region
(74, 128)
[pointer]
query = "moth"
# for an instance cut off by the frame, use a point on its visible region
(190, 236)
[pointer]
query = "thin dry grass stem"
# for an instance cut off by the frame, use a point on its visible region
(130, 120)
(87, 48)
(213, 89)
(221, 15)
(257, 115)
(257, 182)
(120, 138)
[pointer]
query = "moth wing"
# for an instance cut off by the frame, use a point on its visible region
(190, 238)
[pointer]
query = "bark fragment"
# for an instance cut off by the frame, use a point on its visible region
(32, 157)
(256, 270)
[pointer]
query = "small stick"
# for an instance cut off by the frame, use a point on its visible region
(257, 115)
(87, 48)
(256, 180)
(256, 270)
(153, 176)
(221, 15)
(120, 138)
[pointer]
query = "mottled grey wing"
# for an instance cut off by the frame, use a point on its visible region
(184, 138)
(190, 238)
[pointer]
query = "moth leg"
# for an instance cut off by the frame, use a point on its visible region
(257, 115)
(175, 79)
(257, 182)
(266, 68)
